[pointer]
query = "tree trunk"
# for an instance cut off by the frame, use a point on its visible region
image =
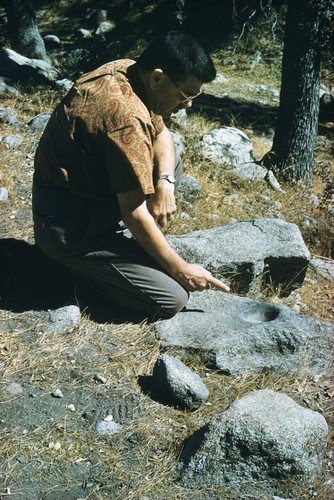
(23, 31)
(291, 157)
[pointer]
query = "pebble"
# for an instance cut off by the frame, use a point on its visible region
(54, 446)
(13, 388)
(52, 41)
(63, 319)
(82, 33)
(109, 418)
(3, 194)
(105, 27)
(65, 84)
(100, 378)
(12, 141)
(57, 394)
(107, 427)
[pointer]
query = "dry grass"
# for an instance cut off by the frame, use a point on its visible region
(139, 461)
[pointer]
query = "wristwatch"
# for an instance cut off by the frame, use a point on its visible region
(168, 177)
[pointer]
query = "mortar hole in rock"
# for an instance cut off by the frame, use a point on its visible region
(259, 313)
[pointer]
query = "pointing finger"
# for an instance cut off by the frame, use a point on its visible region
(216, 283)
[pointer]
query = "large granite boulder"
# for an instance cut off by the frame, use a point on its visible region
(20, 68)
(238, 335)
(263, 436)
(250, 253)
(232, 149)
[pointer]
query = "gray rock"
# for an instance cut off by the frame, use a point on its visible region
(233, 150)
(38, 123)
(13, 389)
(101, 16)
(176, 380)
(220, 78)
(65, 84)
(6, 87)
(107, 427)
(3, 194)
(178, 142)
(12, 141)
(237, 335)
(179, 118)
(63, 319)
(51, 41)
(57, 393)
(83, 33)
(227, 145)
(324, 267)
(249, 253)
(262, 436)
(189, 189)
(17, 67)
(99, 378)
(105, 27)
(7, 116)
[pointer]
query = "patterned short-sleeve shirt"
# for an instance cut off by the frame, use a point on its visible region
(99, 140)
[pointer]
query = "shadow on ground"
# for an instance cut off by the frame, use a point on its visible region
(30, 280)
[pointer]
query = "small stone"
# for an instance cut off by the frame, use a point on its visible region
(82, 33)
(3, 194)
(13, 388)
(57, 394)
(63, 319)
(65, 84)
(70, 407)
(105, 27)
(52, 41)
(12, 141)
(108, 418)
(108, 428)
(100, 378)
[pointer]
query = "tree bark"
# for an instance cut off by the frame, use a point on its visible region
(23, 32)
(291, 157)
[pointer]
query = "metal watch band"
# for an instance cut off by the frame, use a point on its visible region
(168, 177)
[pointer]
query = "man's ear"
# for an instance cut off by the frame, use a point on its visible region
(156, 78)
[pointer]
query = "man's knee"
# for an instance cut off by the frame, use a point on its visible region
(174, 305)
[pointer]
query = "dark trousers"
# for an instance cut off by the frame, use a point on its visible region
(84, 235)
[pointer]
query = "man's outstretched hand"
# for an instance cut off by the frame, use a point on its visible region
(196, 279)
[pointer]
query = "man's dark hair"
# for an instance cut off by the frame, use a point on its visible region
(180, 56)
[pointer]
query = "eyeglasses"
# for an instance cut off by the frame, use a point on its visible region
(187, 98)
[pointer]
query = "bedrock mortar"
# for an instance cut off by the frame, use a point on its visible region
(238, 335)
